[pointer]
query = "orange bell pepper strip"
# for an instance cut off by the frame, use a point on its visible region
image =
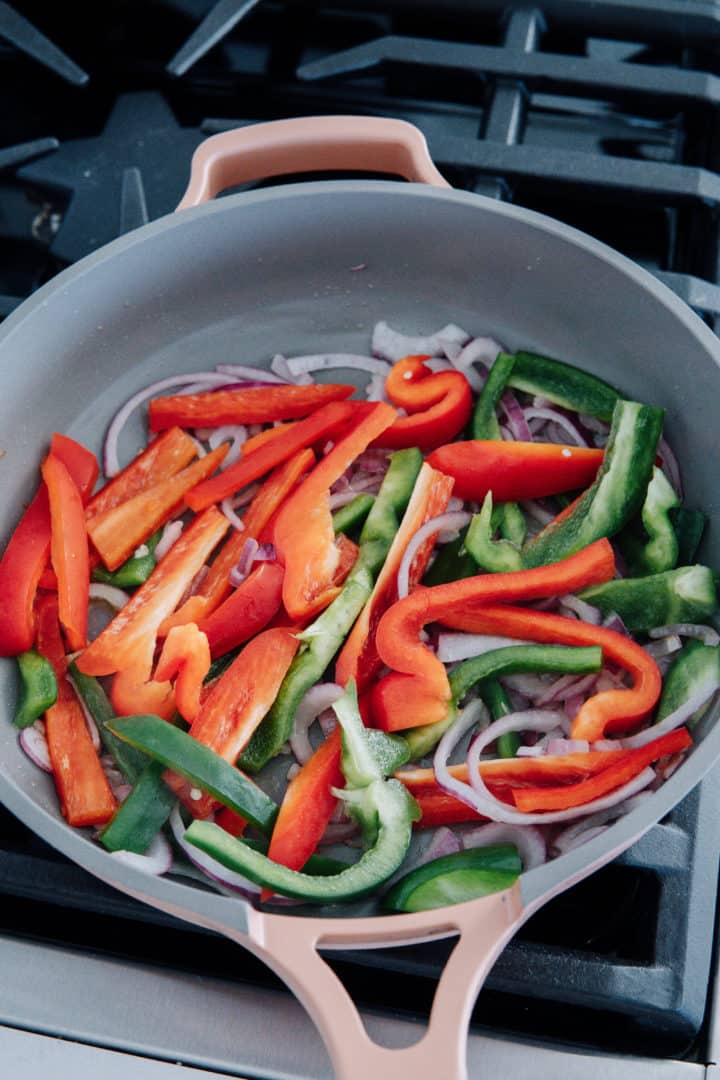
(247, 610)
(567, 796)
(216, 585)
(517, 772)
(83, 789)
(439, 405)
(603, 714)
(417, 690)
(237, 703)
(515, 470)
(303, 531)
(118, 532)
(254, 405)
(185, 655)
(273, 452)
(128, 641)
(68, 549)
(165, 456)
(358, 659)
(133, 692)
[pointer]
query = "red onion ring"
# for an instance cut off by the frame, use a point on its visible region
(457, 520)
(663, 646)
(157, 861)
(535, 509)
(706, 634)
(279, 365)
(481, 350)
(318, 698)
(452, 647)
(556, 417)
(670, 466)
(113, 596)
(515, 417)
(567, 686)
(392, 345)
(528, 840)
(243, 371)
(675, 720)
(559, 747)
(237, 434)
(171, 532)
(586, 612)
(571, 837)
(209, 866)
(33, 742)
(302, 365)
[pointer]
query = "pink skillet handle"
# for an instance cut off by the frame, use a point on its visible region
(289, 945)
(314, 143)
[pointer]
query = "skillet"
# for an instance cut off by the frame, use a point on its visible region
(258, 272)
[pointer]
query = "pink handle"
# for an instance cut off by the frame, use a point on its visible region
(361, 143)
(289, 946)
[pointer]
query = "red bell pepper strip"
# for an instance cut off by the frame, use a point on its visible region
(185, 655)
(231, 822)
(237, 703)
(85, 795)
(303, 532)
(79, 462)
(118, 532)
(566, 796)
(417, 691)
(517, 772)
(439, 405)
(515, 470)
(165, 456)
(69, 550)
(437, 807)
(246, 611)
(273, 452)
(358, 659)
(216, 585)
(256, 405)
(606, 713)
(129, 640)
(266, 436)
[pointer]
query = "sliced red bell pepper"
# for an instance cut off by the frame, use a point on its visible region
(437, 807)
(247, 610)
(358, 659)
(439, 405)
(272, 453)
(256, 405)
(231, 822)
(116, 533)
(566, 796)
(515, 470)
(303, 532)
(266, 436)
(216, 585)
(606, 713)
(128, 642)
(237, 703)
(85, 795)
(79, 462)
(417, 690)
(165, 456)
(518, 772)
(69, 550)
(186, 656)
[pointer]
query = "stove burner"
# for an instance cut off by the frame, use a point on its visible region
(20, 32)
(216, 25)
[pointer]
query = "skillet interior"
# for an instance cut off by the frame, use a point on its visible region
(270, 271)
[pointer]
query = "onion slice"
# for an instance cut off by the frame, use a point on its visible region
(528, 840)
(171, 532)
(157, 861)
(556, 417)
(481, 350)
(318, 698)
(706, 634)
(301, 365)
(116, 598)
(457, 520)
(452, 647)
(209, 866)
(33, 741)
(392, 345)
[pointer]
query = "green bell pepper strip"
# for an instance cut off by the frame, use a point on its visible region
(689, 527)
(616, 494)
(322, 639)
(686, 594)
(38, 688)
(453, 563)
(350, 517)
(131, 762)
(563, 384)
(492, 556)
(141, 816)
(134, 571)
(320, 865)
(498, 703)
(660, 551)
(695, 669)
(453, 879)
(509, 660)
(197, 763)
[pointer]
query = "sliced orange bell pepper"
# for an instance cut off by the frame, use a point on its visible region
(69, 550)
(606, 713)
(85, 795)
(417, 690)
(247, 610)
(515, 470)
(439, 405)
(303, 531)
(185, 655)
(546, 769)
(117, 532)
(358, 659)
(132, 691)
(255, 405)
(273, 452)
(128, 642)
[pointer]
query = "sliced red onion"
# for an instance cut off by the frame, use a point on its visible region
(439, 363)
(528, 840)
(279, 365)
(243, 566)
(327, 721)
(237, 434)
(556, 417)
(265, 553)
(340, 833)
(171, 532)
(452, 647)
(457, 520)
(676, 719)
(530, 686)
(376, 389)
(342, 498)
(111, 464)
(199, 448)
(392, 345)
(260, 376)
(583, 830)
(664, 646)
(34, 743)
(214, 869)
(566, 687)
(535, 509)
(318, 698)
(301, 365)
(481, 350)
(560, 747)
(515, 417)
(226, 506)
(670, 466)
(587, 612)
(706, 634)
(614, 622)
(538, 750)
(113, 596)
(593, 424)
(157, 861)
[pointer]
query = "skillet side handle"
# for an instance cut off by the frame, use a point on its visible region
(289, 946)
(355, 143)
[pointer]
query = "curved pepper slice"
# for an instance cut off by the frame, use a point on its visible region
(418, 685)
(439, 405)
(186, 656)
(68, 550)
(605, 713)
(252, 405)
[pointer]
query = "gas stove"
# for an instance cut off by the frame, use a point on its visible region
(604, 116)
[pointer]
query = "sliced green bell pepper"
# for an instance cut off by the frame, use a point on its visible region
(689, 527)
(695, 668)
(686, 594)
(38, 688)
(134, 571)
(659, 551)
(351, 516)
(563, 384)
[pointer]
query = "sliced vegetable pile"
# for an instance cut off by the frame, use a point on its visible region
(406, 646)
